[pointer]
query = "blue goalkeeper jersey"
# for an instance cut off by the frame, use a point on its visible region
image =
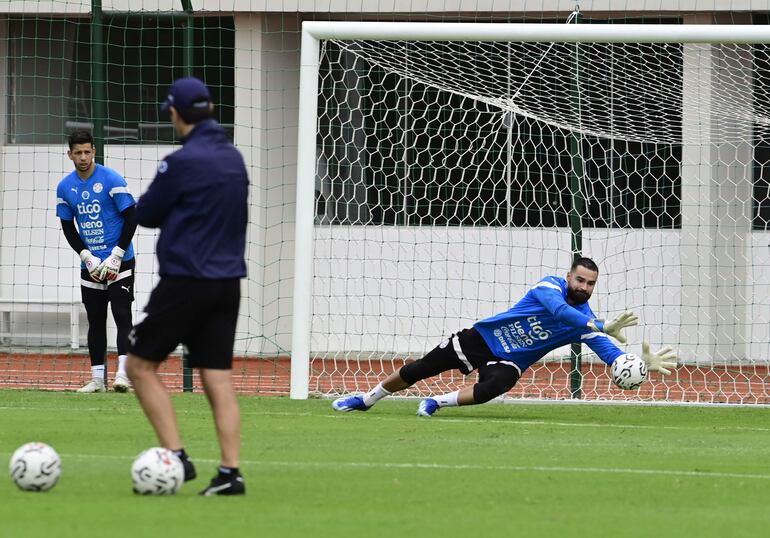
(96, 205)
(541, 322)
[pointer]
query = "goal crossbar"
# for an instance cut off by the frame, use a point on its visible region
(547, 32)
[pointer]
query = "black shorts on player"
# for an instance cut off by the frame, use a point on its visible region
(201, 314)
(466, 351)
(97, 297)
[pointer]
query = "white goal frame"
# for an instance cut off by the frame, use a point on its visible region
(315, 31)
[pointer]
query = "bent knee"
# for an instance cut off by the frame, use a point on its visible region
(488, 390)
(136, 367)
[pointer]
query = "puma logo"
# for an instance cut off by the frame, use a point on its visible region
(127, 288)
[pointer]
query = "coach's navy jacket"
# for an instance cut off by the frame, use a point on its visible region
(198, 199)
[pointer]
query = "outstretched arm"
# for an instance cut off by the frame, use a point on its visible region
(550, 296)
(603, 347)
(659, 361)
(614, 326)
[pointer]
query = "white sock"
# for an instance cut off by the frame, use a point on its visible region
(122, 364)
(97, 372)
(374, 395)
(447, 400)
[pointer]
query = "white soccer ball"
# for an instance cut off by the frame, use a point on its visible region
(157, 471)
(35, 467)
(629, 371)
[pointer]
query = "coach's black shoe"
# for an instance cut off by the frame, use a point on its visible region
(225, 485)
(189, 469)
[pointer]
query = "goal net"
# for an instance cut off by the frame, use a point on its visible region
(59, 74)
(441, 170)
(452, 167)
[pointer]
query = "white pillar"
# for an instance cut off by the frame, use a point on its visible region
(248, 137)
(716, 212)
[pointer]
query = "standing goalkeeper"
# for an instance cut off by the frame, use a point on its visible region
(552, 314)
(98, 199)
(198, 199)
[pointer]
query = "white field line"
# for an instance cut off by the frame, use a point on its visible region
(337, 465)
(400, 418)
(503, 420)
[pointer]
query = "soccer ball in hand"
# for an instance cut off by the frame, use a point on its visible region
(629, 371)
(157, 471)
(35, 467)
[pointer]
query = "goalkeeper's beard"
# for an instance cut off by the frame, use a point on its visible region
(578, 296)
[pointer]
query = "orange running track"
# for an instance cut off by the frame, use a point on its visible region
(547, 381)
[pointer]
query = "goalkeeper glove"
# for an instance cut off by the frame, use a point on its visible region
(110, 267)
(92, 263)
(614, 326)
(661, 360)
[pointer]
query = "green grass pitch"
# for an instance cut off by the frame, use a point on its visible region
(492, 470)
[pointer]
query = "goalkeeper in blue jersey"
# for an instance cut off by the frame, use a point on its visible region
(97, 215)
(552, 314)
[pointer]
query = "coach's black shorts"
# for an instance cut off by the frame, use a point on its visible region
(201, 314)
(465, 351)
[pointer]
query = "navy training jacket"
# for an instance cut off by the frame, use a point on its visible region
(199, 200)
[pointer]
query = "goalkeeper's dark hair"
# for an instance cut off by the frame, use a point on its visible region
(80, 137)
(588, 263)
(199, 111)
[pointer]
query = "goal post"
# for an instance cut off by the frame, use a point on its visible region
(303, 250)
(407, 229)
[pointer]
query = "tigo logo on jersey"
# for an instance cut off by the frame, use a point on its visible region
(92, 210)
(536, 329)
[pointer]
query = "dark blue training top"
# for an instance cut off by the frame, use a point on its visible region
(198, 199)
(541, 322)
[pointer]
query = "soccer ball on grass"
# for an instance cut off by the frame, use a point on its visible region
(629, 371)
(35, 467)
(157, 471)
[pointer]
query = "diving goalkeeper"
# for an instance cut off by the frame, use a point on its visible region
(552, 314)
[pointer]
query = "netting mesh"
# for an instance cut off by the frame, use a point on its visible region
(50, 72)
(452, 176)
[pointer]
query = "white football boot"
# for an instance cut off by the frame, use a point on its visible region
(121, 383)
(95, 385)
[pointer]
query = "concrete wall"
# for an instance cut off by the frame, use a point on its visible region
(405, 287)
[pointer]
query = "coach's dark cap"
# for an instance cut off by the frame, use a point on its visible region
(186, 93)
